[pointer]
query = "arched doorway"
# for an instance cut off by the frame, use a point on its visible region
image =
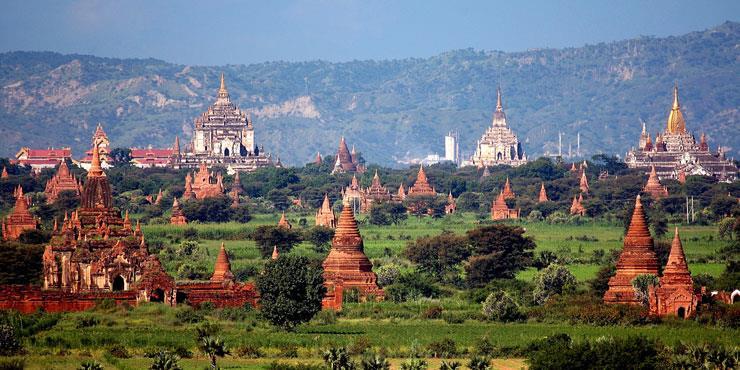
(118, 283)
(226, 152)
(681, 312)
(157, 295)
(499, 156)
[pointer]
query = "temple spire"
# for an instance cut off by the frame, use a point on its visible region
(222, 269)
(95, 168)
(676, 105)
(499, 105)
(223, 94)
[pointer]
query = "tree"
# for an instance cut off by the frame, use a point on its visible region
(269, 236)
(499, 251)
(213, 347)
(213, 209)
(120, 157)
(320, 237)
(291, 289)
(397, 213)
(378, 216)
(600, 284)
(240, 214)
(554, 279)
(439, 254)
(642, 284)
(279, 199)
(499, 306)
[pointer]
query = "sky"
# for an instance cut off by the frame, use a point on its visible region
(218, 32)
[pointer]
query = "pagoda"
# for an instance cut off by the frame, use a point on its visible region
(400, 194)
(376, 193)
(178, 216)
(576, 207)
(275, 253)
(346, 266)
(583, 184)
(421, 186)
(345, 161)
(355, 196)
(101, 141)
(284, 223)
(451, 206)
(543, 194)
(653, 186)
(675, 294)
(4, 174)
(63, 180)
(224, 135)
(637, 258)
(20, 219)
(236, 191)
(499, 144)
(508, 193)
(325, 215)
(675, 151)
(500, 210)
(318, 160)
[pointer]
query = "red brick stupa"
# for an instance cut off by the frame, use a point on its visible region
(653, 186)
(576, 208)
(62, 180)
(421, 187)
(583, 185)
(283, 223)
(20, 219)
(543, 195)
(178, 216)
(345, 162)
(325, 215)
(675, 294)
(637, 258)
(500, 210)
(347, 266)
(222, 269)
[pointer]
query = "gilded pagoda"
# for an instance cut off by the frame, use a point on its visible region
(675, 152)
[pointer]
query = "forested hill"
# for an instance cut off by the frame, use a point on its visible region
(390, 110)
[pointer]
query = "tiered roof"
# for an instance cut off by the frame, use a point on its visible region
(576, 207)
(222, 269)
(653, 186)
(543, 194)
(500, 210)
(324, 215)
(421, 187)
(637, 258)
(377, 192)
(20, 219)
(178, 216)
(345, 162)
(508, 193)
(61, 181)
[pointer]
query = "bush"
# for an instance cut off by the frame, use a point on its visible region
(554, 279)
(189, 316)
(91, 365)
(445, 348)
(499, 306)
(9, 341)
(387, 274)
(338, 359)
(283, 366)
(431, 313)
(375, 362)
(479, 363)
(86, 321)
(249, 351)
(412, 286)
(414, 364)
(165, 360)
(559, 352)
(119, 351)
(12, 363)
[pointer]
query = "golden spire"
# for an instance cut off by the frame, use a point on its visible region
(676, 123)
(223, 84)
(95, 169)
(223, 94)
(676, 105)
(499, 106)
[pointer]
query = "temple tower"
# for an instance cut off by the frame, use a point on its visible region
(653, 186)
(543, 194)
(325, 215)
(675, 293)
(20, 219)
(222, 269)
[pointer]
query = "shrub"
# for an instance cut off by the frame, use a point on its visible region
(351, 295)
(414, 364)
(483, 347)
(119, 351)
(444, 348)
(189, 316)
(412, 286)
(499, 306)
(9, 342)
(325, 317)
(283, 366)
(164, 360)
(453, 365)
(479, 363)
(338, 359)
(249, 351)
(431, 313)
(86, 322)
(359, 346)
(375, 362)
(387, 274)
(91, 365)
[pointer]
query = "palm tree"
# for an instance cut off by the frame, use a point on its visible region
(165, 360)
(213, 347)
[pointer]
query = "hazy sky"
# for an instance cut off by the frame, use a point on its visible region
(242, 32)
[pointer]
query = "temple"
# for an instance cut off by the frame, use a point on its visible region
(203, 184)
(500, 210)
(224, 135)
(355, 196)
(178, 216)
(637, 258)
(675, 294)
(101, 141)
(583, 183)
(451, 206)
(19, 219)
(653, 186)
(576, 207)
(346, 266)
(346, 161)
(376, 193)
(508, 193)
(499, 145)
(325, 215)
(284, 223)
(39, 159)
(543, 195)
(676, 151)
(155, 157)
(63, 180)
(421, 186)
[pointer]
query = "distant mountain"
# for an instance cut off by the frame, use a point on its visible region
(390, 110)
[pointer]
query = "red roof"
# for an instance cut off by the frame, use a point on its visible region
(50, 153)
(36, 162)
(141, 153)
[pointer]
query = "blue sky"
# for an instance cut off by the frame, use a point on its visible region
(243, 32)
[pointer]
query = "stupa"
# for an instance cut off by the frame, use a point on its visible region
(508, 193)
(20, 219)
(325, 215)
(653, 186)
(543, 194)
(178, 216)
(675, 294)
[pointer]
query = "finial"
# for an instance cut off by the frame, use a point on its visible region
(675, 96)
(499, 106)
(95, 168)
(223, 83)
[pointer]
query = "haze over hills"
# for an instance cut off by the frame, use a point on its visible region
(390, 110)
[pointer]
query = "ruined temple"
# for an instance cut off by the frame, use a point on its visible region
(346, 266)
(451, 206)
(583, 183)
(653, 186)
(203, 184)
(325, 215)
(508, 193)
(499, 145)
(675, 150)
(576, 207)
(63, 180)
(675, 294)
(284, 223)
(500, 210)
(19, 219)
(376, 193)
(637, 258)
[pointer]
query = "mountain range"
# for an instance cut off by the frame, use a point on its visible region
(392, 111)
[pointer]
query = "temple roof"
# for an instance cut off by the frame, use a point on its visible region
(95, 168)
(676, 264)
(676, 123)
(284, 222)
(507, 192)
(543, 194)
(222, 269)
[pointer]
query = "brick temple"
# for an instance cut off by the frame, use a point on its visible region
(203, 184)
(63, 180)
(653, 186)
(675, 294)
(19, 219)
